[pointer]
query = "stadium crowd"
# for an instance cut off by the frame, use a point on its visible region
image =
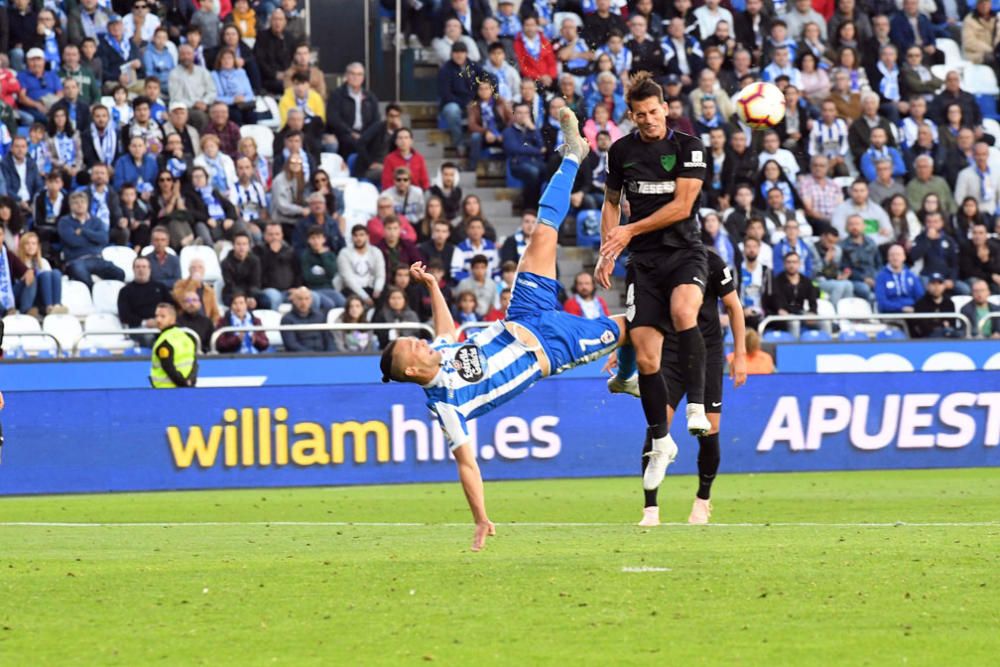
(124, 123)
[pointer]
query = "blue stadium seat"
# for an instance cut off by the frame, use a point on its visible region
(91, 352)
(891, 334)
(815, 336)
(352, 159)
(853, 336)
(728, 340)
(778, 336)
(512, 181)
(588, 228)
(619, 270)
(988, 106)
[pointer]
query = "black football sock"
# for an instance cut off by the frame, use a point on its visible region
(647, 447)
(692, 351)
(653, 391)
(708, 463)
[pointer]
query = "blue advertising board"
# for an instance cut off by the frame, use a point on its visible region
(141, 439)
(931, 355)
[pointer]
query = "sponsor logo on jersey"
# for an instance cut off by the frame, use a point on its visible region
(468, 363)
(652, 187)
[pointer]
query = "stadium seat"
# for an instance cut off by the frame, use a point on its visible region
(110, 341)
(952, 53)
(854, 306)
(106, 296)
(333, 315)
(148, 249)
(992, 128)
(940, 71)
(225, 247)
(892, 333)
(66, 329)
(588, 228)
(267, 112)
(980, 80)
(778, 336)
(25, 324)
(360, 202)
(213, 270)
(987, 105)
(853, 336)
(815, 336)
(994, 299)
(122, 257)
(263, 136)
(513, 181)
(336, 169)
(824, 307)
(76, 298)
(960, 300)
(271, 318)
(94, 352)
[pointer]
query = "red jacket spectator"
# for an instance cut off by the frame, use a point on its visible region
(376, 233)
(573, 307)
(825, 7)
(535, 68)
(416, 165)
(9, 87)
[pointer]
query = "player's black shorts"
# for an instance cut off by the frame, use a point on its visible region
(673, 373)
(651, 277)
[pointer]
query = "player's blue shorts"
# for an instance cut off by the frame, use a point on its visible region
(568, 340)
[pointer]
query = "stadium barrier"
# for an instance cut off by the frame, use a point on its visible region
(987, 317)
(329, 326)
(881, 317)
(341, 434)
(128, 332)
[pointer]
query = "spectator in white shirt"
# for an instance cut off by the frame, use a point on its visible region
(709, 15)
(979, 181)
(771, 150)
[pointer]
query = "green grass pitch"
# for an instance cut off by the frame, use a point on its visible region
(795, 578)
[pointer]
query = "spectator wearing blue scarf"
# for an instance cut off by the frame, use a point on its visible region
(137, 166)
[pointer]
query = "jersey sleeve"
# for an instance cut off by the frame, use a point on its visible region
(616, 172)
(691, 159)
(453, 424)
(721, 275)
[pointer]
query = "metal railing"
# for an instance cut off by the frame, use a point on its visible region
(126, 332)
(987, 316)
(334, 326)
(10, 335)
(883, 317)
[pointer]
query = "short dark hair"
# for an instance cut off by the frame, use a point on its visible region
(358, 228)
(496, 46)
(300, 77)
(235, 236)
(385, 364)
(643, 88)
(392, 106)
(391, 219)
(315, 230)
(479, 260)
(141, 100)
(163, 304)
(449, 165)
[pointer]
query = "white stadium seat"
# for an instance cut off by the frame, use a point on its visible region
(224, 247)
(25, 324)
(65, 328)
(267, 112)
(76, 297)
(334, 315)
(122, 257)
(360, 202)
(263, 136)
(105, 322)
(992, 128)
(960, 300)
(106, 296)
(995, 299)
(148, 249)
(952, 53)
(940, 71)
(270, 318)
(336, 169)
(824, 307)
(855, 306)
(980, 80)
(213, 271)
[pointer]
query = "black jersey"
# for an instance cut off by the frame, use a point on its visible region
(648, 173)
(721, 282)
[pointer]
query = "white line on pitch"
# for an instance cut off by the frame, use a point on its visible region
(515, 524)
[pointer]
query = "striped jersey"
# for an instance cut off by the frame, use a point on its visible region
(477, 375)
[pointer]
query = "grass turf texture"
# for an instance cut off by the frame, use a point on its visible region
(310, 594)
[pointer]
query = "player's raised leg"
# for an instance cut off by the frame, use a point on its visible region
(540, 255)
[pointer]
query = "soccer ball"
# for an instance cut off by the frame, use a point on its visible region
(761, 105)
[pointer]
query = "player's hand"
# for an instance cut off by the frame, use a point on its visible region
(419, 274)
(611, 365)
(617, 240)
(602, 273)
(484, 529)
(738, 370)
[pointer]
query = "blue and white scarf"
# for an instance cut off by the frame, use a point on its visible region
(52, 57)
(123, 48)
(65, 148)
(99, 206)
(985, 187)
(217, 172)
(489, 117)
(6, 284)
(215, 210)
(105, 146)
(532, 46)
(246, 340)
(578, 63)
(509, 25)
(889, 86)
(40, 154)
(503, 88)
(177, 167)
(53, 208)
(545, 13)
(622, 60)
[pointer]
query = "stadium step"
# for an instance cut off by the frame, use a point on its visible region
(423, 115)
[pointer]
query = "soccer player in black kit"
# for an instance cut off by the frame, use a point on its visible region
(661, 172)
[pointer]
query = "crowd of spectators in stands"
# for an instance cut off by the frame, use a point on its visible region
(120, 124)
(881, 178)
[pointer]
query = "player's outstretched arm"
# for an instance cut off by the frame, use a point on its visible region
(679, 209)
(444, 325)
(611, 217)
(738, 369)
(472, 485)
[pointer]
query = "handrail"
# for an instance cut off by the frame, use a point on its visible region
(328, 326)
(43, 334)
(987, 316)
(126, 332)
(888, 317)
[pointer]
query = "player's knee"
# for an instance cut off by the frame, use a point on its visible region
(648, 360)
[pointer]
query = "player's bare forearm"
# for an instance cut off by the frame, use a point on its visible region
(734, 309)
(677, 210)
(611, 211)
(444, 325)
(472, 485)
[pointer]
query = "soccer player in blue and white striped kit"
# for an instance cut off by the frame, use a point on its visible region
(537, 339)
